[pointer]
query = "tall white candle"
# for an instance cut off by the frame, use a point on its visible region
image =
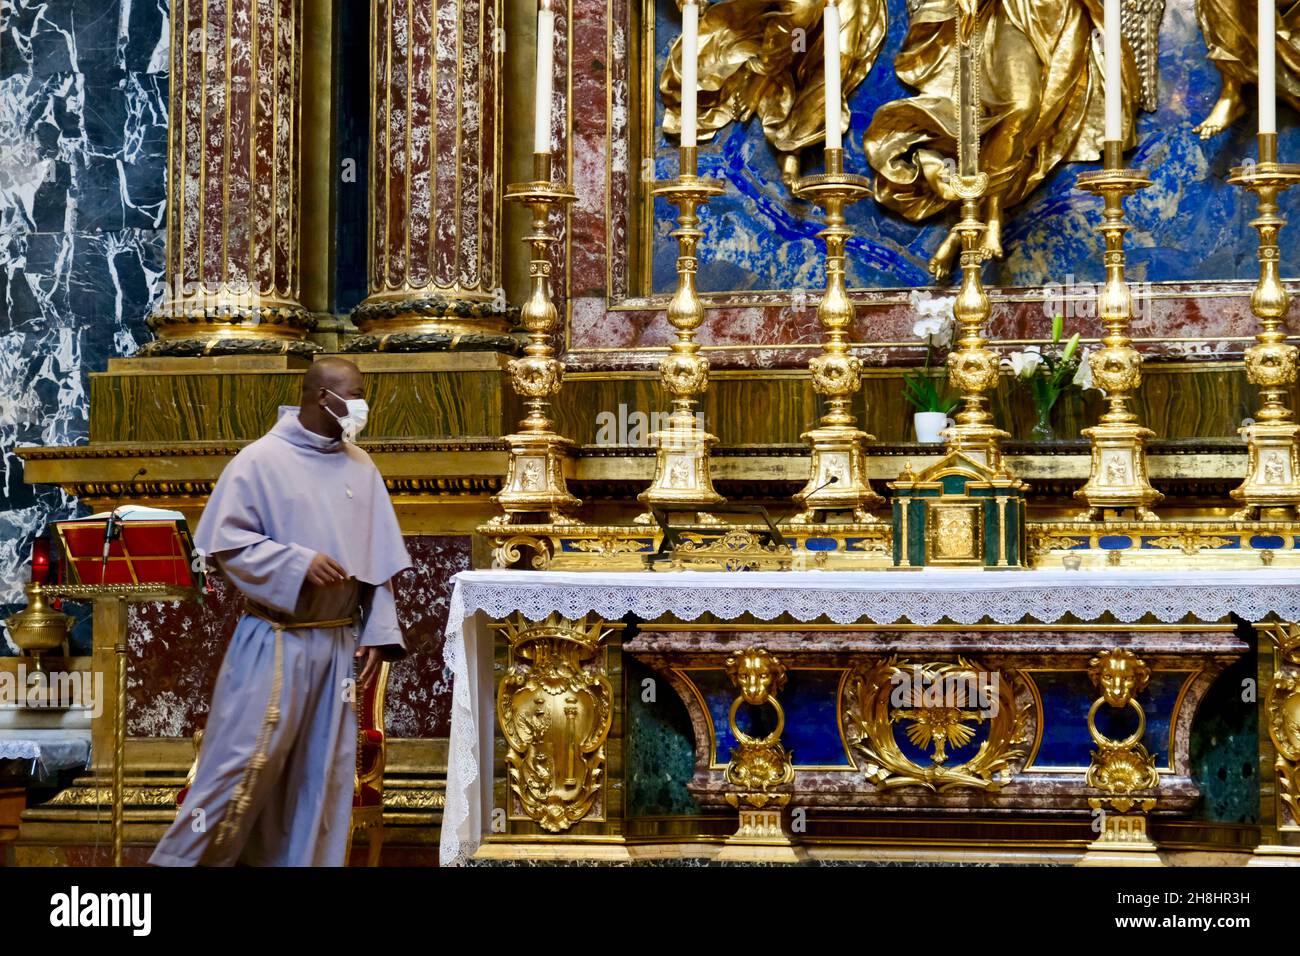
(831, 49)
(690, 69)
(1114, 64)
(543, 87)
(1267, 67)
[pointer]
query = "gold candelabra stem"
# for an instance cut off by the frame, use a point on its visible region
(973, 366)
(839, 477)
(1117, 477)
(1272, 485)
(534, 483)
(682, 476)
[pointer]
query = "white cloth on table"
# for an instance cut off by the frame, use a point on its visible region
(49, 749)
(844, 597)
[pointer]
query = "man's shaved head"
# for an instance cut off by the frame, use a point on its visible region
(336, 374)
(326, 386)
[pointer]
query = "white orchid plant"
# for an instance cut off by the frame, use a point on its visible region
(935, 326)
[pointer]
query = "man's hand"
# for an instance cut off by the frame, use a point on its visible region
(374, 657)
(324, 571)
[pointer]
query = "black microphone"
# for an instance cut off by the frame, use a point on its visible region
(828, 482)
(110, 527)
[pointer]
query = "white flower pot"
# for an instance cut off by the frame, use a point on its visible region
(929, 425)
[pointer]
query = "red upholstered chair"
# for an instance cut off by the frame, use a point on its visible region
(368, 801)
(368, 796)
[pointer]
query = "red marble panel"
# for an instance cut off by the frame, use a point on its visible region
(213, 98)
(285, 147)
(418, 64)
(621, 164)
(591, 153)
(446, 91)
(419, 688)
(473, 46)
(488, 156)
(262, 159)
(380, 138)
(176, 652)
(240, 214)
(390, 167)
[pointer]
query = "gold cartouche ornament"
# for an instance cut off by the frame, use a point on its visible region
(1272, 485)
(682, 476)
(1117, 478)
(839, 475)
(534, 481)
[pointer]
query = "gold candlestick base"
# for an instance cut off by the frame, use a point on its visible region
(682, 450)
(534, 482)
(1117, 478)
(1272, 485)
(838, 482)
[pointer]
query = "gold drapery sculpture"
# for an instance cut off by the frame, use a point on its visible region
(765, 57)
(1229, 27)
(1043, 105)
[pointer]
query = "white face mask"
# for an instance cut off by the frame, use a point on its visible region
(355, 420)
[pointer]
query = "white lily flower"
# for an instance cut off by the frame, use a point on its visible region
(1024, 364)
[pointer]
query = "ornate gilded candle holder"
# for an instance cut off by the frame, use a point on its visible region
(1272, 485)
(839, 475)
(1117, 478)
(682, 461)
(973, 367)
(534, 481)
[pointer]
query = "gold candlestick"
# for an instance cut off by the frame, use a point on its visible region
(682, 461)
(839, 476)
(1272, 484)
(535, 477)
(1118, 475)
(973, 366)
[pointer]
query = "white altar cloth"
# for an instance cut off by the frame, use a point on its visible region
(49, 749)
(844, 597)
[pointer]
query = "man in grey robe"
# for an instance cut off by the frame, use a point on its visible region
(301, 523)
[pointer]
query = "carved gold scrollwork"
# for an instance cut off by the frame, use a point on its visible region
(554, 708)
(942, 706)
(1283, 710)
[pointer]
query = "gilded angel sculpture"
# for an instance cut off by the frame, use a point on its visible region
(1041, 95)
(765, 57)
(1229, 27)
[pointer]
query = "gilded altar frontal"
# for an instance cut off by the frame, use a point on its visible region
(650, 433)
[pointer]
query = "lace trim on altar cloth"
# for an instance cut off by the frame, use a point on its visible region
(925, 597)
(881, 597)
(48, 751)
